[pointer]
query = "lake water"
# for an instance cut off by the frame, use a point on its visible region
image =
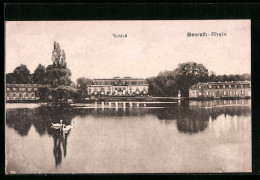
(195, 136)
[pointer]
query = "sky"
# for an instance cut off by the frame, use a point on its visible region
(150, 47)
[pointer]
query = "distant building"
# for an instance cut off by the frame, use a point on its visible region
(118, 86)
(22, 91)
(221, 89)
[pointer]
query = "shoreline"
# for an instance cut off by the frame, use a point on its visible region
(128, 99)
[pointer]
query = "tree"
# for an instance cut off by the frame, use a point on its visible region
(21, 74)
(82, 83)
(39, 74)
(58, 76)
(168, 83)
(55, 76)
(43, 92)
(62, 93)
(187, 74)
(10, 79)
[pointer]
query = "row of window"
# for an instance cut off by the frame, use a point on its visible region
(21, 89)
(20, 96)
(226, 86)
(119, 82)
(212, 93)
(120, 89)
(119, 93)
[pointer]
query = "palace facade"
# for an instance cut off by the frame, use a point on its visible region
(118, 86)
(221, 89)
(22, 91)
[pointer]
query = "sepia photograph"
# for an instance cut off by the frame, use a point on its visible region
(128, 96)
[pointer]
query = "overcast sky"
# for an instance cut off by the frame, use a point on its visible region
(150, 46)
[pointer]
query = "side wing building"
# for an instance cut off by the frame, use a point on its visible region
(22, 91)
(221, 89)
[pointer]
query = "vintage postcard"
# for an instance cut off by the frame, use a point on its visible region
(164, 96)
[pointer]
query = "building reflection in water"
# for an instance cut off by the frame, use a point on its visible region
(196, 116)
(192, 117)
(224, 115)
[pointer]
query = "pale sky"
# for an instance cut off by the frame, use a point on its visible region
(150, 46)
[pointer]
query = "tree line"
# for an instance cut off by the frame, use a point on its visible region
(168, 83)
(60, 87)
(56, 77)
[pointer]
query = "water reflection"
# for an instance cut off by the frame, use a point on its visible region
(60, 144)
(191, 117)
(22, 120)
(195, 116)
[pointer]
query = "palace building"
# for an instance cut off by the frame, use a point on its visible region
(221, 89)
(22, 91)
(118, 86)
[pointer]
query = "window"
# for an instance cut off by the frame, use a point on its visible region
(236, 92)
(242, 92)
(14, 89)
(223, 86)
(32, 95)
(123, 88)
(29, 89)
(8, 95)
(8, 89)
(235, 86)
(229, 86)
(21, 96)
(35, 89)
(14, 96)
(218, 86)
(115, 88)
(210, 86)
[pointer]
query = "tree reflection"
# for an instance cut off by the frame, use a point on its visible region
(22, 119)
(190, 117)
(193, 117)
